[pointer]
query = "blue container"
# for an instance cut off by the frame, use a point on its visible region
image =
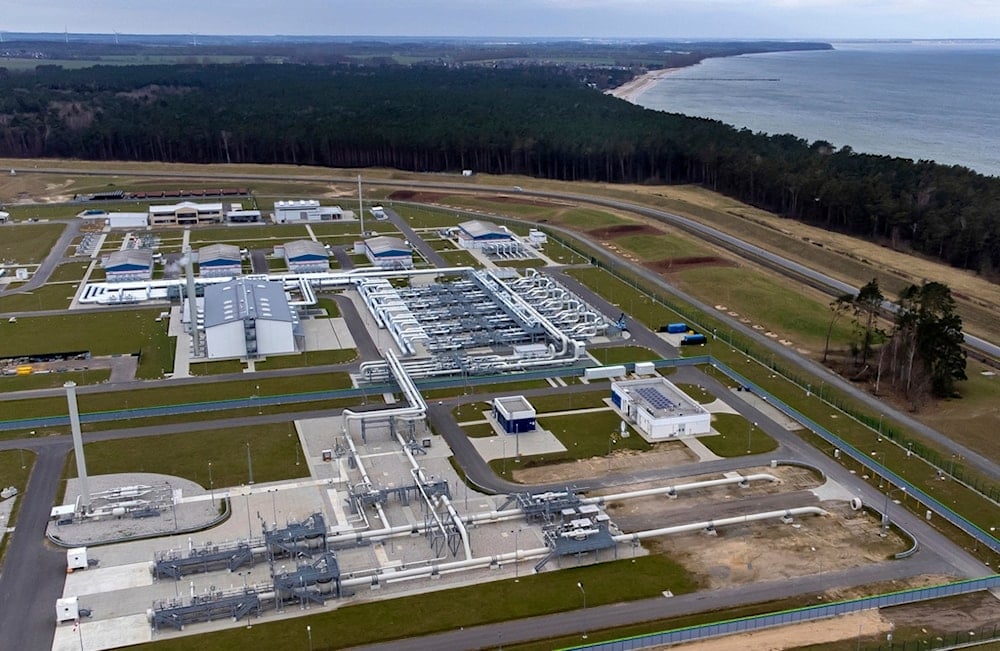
(693, 340)
(677, 328)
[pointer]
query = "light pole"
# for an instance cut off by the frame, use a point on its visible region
(249, 465)
(611, 442)
(274, 511)
(309, 633)
(21, 450)
(503, 454)
(885, 511)
(749, 432)
(516, 550)
(211, 484)
(584, 593)
(259, 412)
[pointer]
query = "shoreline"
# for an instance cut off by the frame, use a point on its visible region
(632, 89)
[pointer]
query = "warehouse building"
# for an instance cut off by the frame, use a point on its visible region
(306, 256)
(130, 265)
(660, 410)
(189, 213)
(388, 252)
(305, 210)
(514, 414)
(219, 260)
(476, 234)
(248, 318)
(126, 219)
(240, 216)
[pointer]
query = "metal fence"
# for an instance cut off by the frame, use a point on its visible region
(813, 613)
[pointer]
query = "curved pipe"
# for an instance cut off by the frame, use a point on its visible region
(604, 499)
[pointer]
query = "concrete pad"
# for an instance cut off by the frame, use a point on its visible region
(103, 634)
(699, 449)
(107, 579)
(719, 406)
(538, 442)
(832, 490)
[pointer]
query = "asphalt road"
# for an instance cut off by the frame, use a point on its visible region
(56, 255)
(417, 242)
(33, 570)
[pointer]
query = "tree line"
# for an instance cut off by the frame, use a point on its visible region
(535, 121)
(921, 355)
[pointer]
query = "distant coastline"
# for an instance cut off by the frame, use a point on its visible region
(631, 89)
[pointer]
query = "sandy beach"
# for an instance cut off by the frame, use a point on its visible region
(630, 90)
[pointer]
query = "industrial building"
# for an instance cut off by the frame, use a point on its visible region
(305, 210)
(660, 410)
(126, 220)
(476, 234)
(306, 256)
(189, 213)
(248, 318)
(219, 261)
(129, 265)
(514, 414)
(241, 216)
(388, 252)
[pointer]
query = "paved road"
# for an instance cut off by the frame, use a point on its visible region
(33, 570)
(344, 260)
(432, 256)
(56, 255)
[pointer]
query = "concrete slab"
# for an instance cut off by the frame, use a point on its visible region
(103, 634)
(699, 449)
(538, 442)
(107, 579)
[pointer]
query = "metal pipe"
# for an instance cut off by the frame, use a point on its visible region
(604, 499)
(695, 526)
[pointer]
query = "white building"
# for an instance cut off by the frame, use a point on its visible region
(305, 210)
(514, 413)
(660, 410)
(388, 252)
(189, 213)
(476, 234)
(126, 219)
(248, 318)
(306, 256)
(129, 265)
(219, 260)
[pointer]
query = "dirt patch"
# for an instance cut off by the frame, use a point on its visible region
(419, 197)
(501, 198)
(664, 455)
(955, 615)
(621, 230)
(676, 265)
(845, 627)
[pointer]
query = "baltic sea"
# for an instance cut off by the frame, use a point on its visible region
(922, 100)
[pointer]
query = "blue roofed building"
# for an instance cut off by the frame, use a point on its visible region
(219, 261)
(388, 252)
(306, 256)
(130, 265)
(476, 234)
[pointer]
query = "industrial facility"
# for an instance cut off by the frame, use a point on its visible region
(248, 318)
(129, 265)
(219, 261)
(189, 213)
(388, 252)
(305, 256)
(306, 210)
(659, 410)
(475, 234)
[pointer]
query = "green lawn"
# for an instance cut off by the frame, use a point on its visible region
(460, 259)
(28, 243)
(480, 430)
(250, 234)
(9, 383)
(623, 354)
(274, 449)
(561, 254)
(496, 601)
(659, 247)
(330, 305)
(731, 440)
(310, 358)
(69, 272)
(220, 367)
(585, 219)
(427, 217)
(770, 303)
(46, 297)
(697, 393)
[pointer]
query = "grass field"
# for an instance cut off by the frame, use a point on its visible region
(659, 247)
(46, 297)
(274, 450)
(10, 383)
(734, 434)
(426, 217)
(587, 218)
(549, 592)
(28, 243)
(309, 358)
(701, 395)
(460, 259)
(69, 272)
(623, 354)
(560, 254)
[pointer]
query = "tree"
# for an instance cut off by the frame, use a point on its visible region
(867, 305)
(929, 335)
(839, 306)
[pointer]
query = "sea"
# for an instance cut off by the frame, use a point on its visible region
(931, 100)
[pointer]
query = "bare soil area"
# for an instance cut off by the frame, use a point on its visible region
(663, 455)
(620, 230)
(676, 265)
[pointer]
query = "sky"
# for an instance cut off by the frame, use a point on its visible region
(756, 19)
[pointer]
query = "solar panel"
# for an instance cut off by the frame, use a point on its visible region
(655, 398)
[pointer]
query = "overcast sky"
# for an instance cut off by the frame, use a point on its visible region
(825, 19)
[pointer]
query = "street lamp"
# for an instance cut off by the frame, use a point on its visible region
(750, 431)
(584, 593)
(516, 550)
(259, 412)
(309, 633)
(611, 442)
(249, 465)
(885, 511)
(211, 484)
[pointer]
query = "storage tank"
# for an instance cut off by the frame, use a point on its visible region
(693, 340)
(676, 328)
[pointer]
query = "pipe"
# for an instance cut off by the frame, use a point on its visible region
(604, 499)
(471, 563)
(364, 476)
(695, 526)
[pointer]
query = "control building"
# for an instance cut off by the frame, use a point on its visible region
(306, 256)
(129, 265)
(189, 213)
(514, 413)
(305, 210)
(660, 410)
(219, 261)
(476, 234)
(388, 252)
